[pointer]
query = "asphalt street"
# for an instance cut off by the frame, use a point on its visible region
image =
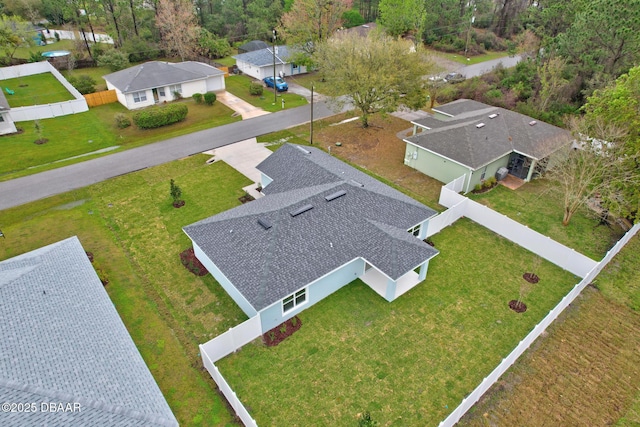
(38, 186)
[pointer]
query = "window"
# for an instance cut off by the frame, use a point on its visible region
(294, 300)
(161, 91)
(175, 88)
(139, 96)
(294, 66)
(415, 230)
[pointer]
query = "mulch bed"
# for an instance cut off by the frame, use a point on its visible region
(278, 334)
(517, 306)
(246, 198)
(531, 277)
(191, 263)
(41, 141)
(178, 204)
(89, 255)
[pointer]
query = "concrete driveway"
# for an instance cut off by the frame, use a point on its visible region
(241, 107)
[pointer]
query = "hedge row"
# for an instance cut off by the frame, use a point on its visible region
(156, 117)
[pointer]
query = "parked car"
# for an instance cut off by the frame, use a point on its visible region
(454, 78)
(281, 85)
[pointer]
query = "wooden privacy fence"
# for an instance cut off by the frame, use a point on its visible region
(101, 98)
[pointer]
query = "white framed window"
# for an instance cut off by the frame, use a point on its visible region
(415, 230)
(139, 96)
(294, 300)
(294, 66)
(161, 91)
(175, 88)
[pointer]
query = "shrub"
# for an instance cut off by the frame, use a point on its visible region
(156, 117)
(478, 187)
(352, 18)
(35, 57)
(84, 83)
(365, 420)
(122, 121)
(209, 98)
(114, 59)
(175, 191)
(256, 89)
(197, 97)
(177, 95)
(57, 36)
(490, 182)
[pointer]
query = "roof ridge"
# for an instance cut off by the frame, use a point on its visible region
(101, 406)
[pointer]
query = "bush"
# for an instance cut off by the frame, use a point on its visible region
(256, 89)
(122, 121)
(156, 117)
(114, 59)
(489, 182)
(177, 95)
(209, 98)
(84, 83)
(352, 18)
(197, 97)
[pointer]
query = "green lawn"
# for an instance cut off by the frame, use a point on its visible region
(92, 131)
(239, 86)
(25, 52)
(471, 59)
(135, 235)
(536, 206)
(409, 362)
(35, 89)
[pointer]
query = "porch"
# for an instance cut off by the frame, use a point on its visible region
(387, 288)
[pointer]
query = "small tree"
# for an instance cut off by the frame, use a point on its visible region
(176, 194)
(114, 59)
(84, 83)
(365, 420)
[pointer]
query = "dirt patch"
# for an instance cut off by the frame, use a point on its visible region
(379, 150)
(281, 332)
(531, 277)
(191, 263)
(178, 204)
(517, 306)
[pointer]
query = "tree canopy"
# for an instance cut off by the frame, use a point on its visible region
(377, 73)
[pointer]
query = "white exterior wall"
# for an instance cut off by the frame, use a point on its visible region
(215, 83)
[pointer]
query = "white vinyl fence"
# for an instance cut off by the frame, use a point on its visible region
(476, 394)
(223, 345)
(45, 111)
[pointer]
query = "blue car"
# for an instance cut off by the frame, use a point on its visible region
(281, 85)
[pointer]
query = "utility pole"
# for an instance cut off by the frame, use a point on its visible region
(311, 133)
(275, 88)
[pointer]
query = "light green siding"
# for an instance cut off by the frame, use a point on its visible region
(492, 168)
(433, 165)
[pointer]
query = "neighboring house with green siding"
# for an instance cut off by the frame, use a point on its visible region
(467, 137)
(321, 225)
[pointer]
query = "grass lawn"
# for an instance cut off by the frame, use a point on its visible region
(586, 369)
(35, 89)
(94, 72)
(92, 131)
(539, 208)
(315, 79)
(136, 237)
(25, 52)
(239, 86)
(472, 59)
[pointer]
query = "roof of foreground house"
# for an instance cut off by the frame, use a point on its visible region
(262, 57)
(156, 74)
(63, 342)
(348, 215)
(477, 134)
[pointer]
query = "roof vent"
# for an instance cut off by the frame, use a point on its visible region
(301, 209)
(494, 115)
(480, 125)
(303, 150)
(532, 123)
(335, 195)
(359, 184)
(264, 223)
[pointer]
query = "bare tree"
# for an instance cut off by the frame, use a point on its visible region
(177, 22)
(595, 166)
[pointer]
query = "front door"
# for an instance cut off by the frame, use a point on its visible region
(156, 99)
(519, 165)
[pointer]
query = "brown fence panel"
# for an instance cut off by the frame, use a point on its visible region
(100, 98)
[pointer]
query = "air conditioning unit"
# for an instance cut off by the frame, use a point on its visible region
(502, 173)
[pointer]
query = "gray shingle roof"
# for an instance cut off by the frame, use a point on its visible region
(370, 221)
(461, 140)
(253, 45)
(264, 57)
(156, 74)
(63, 341)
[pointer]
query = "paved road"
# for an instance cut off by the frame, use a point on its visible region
(476, 70)
(34, 187)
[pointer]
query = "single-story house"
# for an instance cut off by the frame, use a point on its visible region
(155, 81)
(253, 45)
(259, 63)
(66, 358)
(6, 122)
(320, 225)
(472, 138)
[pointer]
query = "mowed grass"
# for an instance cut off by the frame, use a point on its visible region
(239, 86)
(586, 371)
(488, 56)
(84, 133)
(95, 73)
(136, 238)
(409, 362)
(36, 89)
(538, 206)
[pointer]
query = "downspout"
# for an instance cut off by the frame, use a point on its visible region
(469, 181)
(531, 168)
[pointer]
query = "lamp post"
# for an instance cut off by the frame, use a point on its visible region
(275, 88)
